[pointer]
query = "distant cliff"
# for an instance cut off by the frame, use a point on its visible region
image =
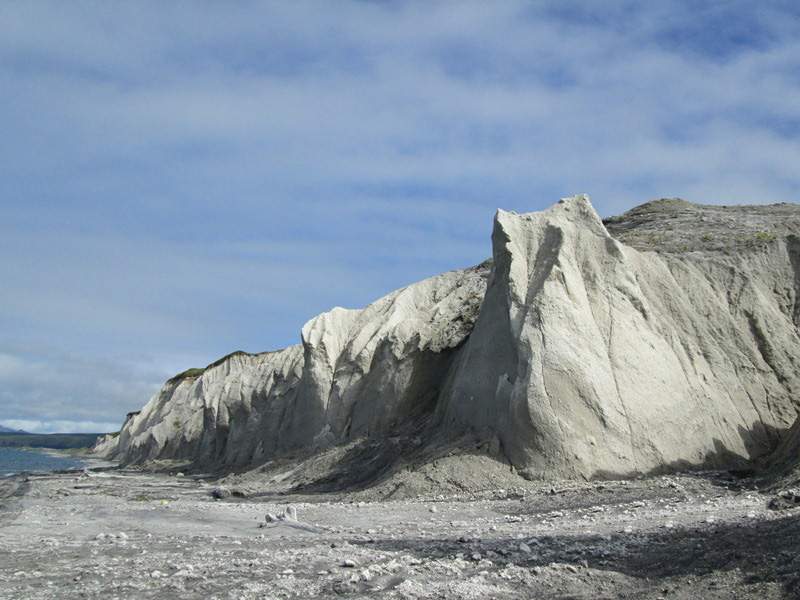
(665, 338)
(58, 441)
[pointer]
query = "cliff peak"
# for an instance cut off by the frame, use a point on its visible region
(661, 339)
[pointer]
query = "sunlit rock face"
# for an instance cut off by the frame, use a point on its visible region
(671, 343)
(357, 373)
(592, 358)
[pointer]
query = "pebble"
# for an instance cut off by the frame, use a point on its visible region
(349, 563)
(182, 573)
(525, 548)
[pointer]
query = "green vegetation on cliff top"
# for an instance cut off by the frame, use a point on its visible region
(56, 441)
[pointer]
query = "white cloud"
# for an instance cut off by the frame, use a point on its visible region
(186, 180)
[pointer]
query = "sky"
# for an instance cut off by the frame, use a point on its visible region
(179, 180)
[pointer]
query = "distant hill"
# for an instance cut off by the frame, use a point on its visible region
(7, 430)
(59, 441)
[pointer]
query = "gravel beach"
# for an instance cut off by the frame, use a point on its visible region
(128, 534)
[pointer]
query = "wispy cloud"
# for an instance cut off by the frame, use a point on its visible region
(185, 179)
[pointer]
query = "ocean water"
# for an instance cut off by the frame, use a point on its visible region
(14, 460)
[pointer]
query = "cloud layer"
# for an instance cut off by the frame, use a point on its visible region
(186, 179)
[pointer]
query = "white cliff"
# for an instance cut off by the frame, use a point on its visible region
(591, 358)
(583, 356)
(358, 372)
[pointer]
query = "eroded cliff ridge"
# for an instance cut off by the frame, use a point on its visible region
(357, 373)
(665, 338)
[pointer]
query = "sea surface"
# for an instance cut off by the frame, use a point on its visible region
(15, 460)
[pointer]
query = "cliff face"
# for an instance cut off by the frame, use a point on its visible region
(782, 468)
(583, 355)
(592, 358)
(357, 373)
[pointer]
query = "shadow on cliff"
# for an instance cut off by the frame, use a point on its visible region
(759, 552)
(393, 459)
(372, 463)
(408, 460)
(759, 441)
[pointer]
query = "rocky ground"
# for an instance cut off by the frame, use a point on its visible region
(676, 226)
(128, 534)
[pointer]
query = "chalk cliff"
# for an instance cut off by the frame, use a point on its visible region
(590, 357)
(357, 373)
(661, 339)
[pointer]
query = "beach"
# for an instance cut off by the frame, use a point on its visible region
(130, 534)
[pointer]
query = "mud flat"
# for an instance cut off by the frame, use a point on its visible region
(128, 534)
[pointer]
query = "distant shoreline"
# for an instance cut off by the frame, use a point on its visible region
(56, 441)
(50, 461)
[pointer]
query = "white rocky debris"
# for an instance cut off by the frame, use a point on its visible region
(288, 518)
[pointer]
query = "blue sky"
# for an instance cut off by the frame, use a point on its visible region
(180, 180)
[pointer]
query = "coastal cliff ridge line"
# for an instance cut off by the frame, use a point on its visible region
(662, 339)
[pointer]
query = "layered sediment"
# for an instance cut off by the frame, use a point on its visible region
(662, 339)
